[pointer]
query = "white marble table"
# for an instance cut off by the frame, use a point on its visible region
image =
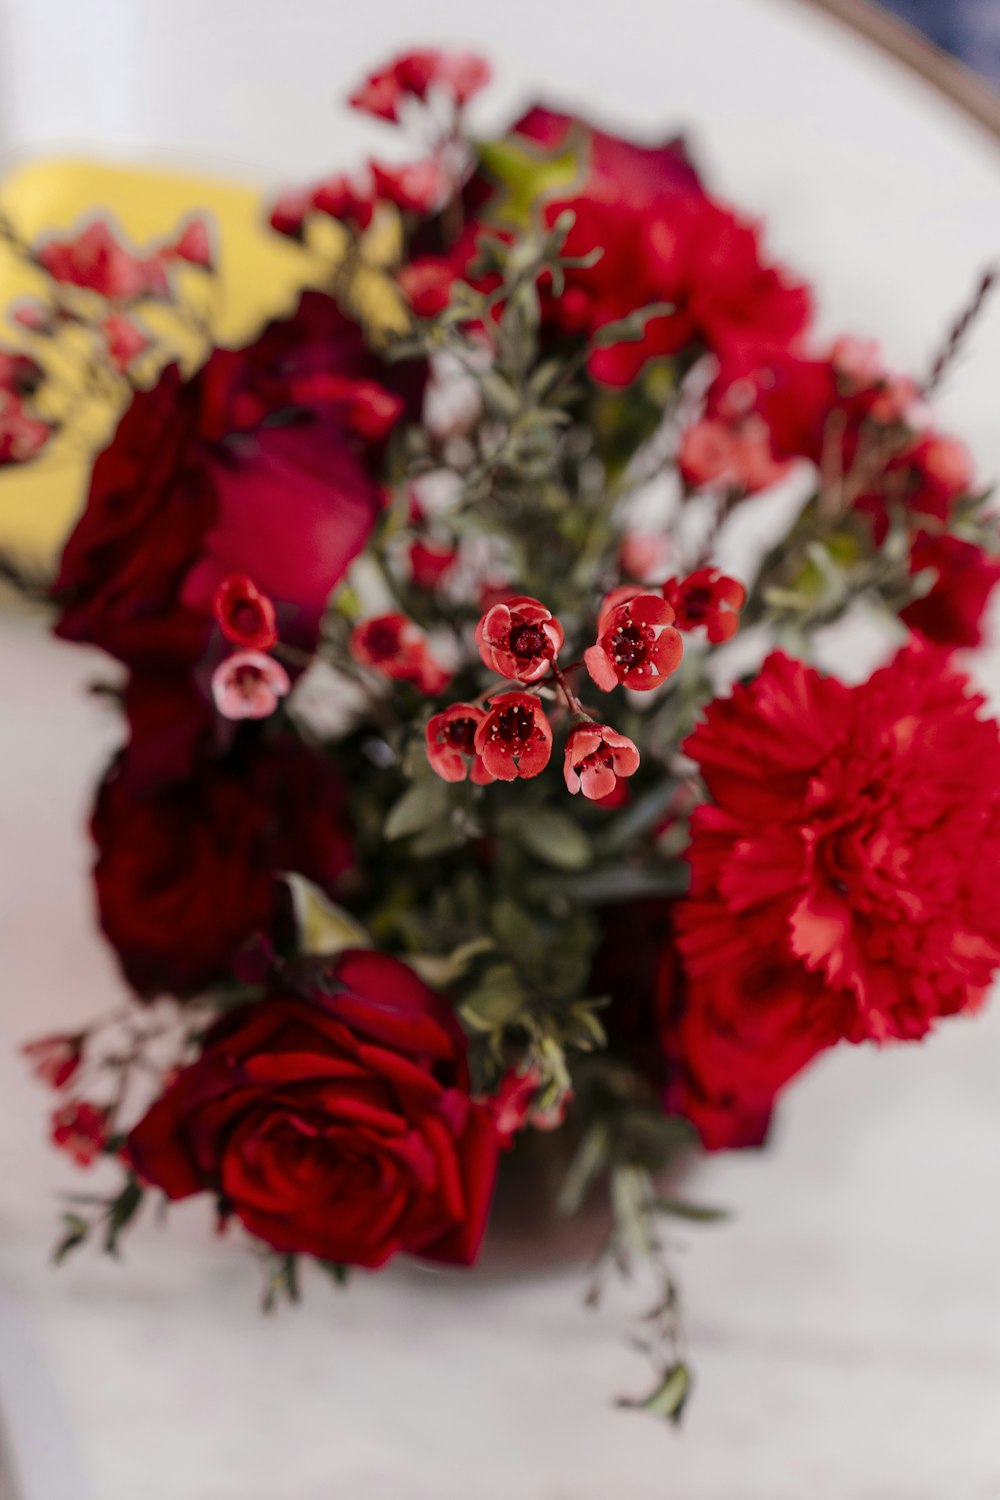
(846, 1323)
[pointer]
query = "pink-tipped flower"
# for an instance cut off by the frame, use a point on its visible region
(519, 639)
(597, 757)
(248, 685)
(706, 597)
(637, 645)
(451, 744)
(514, 1108)
(396, 647)
(124, 340)
(80, 1129)
(515, 737)
(55, 1059)
(245, 615)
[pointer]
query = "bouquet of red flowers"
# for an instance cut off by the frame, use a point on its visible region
(480, 777)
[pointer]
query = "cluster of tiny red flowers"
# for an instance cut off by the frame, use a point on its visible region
(248, 683)
(505, 736)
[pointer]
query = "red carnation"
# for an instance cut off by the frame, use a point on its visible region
(451, 744)
(515, 737)
(519, 639)
(637, 645)
(80, 1129)
(597, 756)
(843, 875)
(706, 597)
(333, 1120)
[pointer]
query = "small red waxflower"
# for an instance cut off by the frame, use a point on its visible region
(430, 562)
(418, 187)
(396, 647)
(124, 340)
(519, 639)
(706, 597)
(194, 245)
(414, 74)
(451, 744)
(81, 1129)
(55, 1059)
(248, 685)
(596, 757)
(515, 737)
(637, 645)
(245, 615)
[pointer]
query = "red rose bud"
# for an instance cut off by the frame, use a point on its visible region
(245, 615)
(451, 747)
(515, 737)
(706, 597)
(637, 645)
(81, 1130)
(396, 647)
(288, 212)
(519, 639)
(335, 1122)
(55, 1059)
(597, 757)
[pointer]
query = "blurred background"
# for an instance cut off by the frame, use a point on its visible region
(845, 1322)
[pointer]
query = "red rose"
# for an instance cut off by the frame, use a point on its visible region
(334, 1120)
(186, 871)
(843, 877)
(253, 466)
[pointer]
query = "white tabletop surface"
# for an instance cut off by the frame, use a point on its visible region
(845, 1324)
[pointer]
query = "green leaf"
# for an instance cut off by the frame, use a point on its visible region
(322, 926)
(336, 1272)
(121, 1212)
(590, 1161)
(417, 809)
(495, 1001)
(555, 838)
(670, 1396)
(75, 1231)
(529, 176)
(697, 1213)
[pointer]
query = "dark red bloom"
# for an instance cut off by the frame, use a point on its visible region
(515, 737)
(597, 757)
(187, 870)
(637, 645)
(706, 597)
(80, 1129)
(20, 375)
(333, 1120)
(519, 639)
(951, 613)
(231, 471)
(245, 615)
(843, 875)
(396, 647)
(451, 744)
(55, 1059)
